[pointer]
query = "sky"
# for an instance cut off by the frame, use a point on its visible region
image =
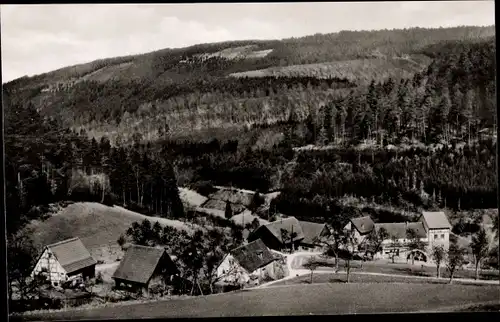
(39, 38)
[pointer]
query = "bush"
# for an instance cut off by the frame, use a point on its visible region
(99, 278)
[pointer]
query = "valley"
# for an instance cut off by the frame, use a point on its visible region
(193, 150)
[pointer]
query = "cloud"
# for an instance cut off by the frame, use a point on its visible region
(40, 38)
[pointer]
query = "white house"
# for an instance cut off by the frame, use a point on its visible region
(245, 263)
(64, 261)
(437, 228)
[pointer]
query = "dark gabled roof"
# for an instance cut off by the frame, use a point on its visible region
(363, 225)
(72, 254)
(289, 224)
(436, 220)
(311, 231)
(139, 263)
(399, 229)
(253, 255)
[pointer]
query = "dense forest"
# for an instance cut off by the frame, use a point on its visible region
(450, 103)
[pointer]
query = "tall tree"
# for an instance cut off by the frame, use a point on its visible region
(438, 254)
(455, 259)
(480, 248)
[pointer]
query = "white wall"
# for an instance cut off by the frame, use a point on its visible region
(439, 237)
(229, 271)
(55, 272)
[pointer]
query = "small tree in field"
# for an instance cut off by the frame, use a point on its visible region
(376, 238)
(395, 245)
(311, 264)
(438, 254)
(331, 242)
(349, 242)
(479, 247)
(455, 259)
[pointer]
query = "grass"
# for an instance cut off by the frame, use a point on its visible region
(408, 269)
(296, 300)
(97, 225)
(359, 278)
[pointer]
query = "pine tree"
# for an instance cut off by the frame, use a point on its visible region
(228, 213)
(466, 112)
(328, 124)
(322, 137)
(455, 110)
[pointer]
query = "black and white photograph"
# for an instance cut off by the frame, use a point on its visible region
(197, 160)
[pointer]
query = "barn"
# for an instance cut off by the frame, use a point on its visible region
(277, 235)
(312, 232)
(64, 261)
(143, 267)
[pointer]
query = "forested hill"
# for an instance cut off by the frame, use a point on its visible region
(398, 119)
(208, 87)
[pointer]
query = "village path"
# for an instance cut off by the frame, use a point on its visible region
(294, 263)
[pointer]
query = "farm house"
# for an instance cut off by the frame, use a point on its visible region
(64, 261)
(245, 263)
(277, 235)
(312, 232)
(144, 267)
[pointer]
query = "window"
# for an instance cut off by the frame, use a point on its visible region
(442, 236)
(435, 236)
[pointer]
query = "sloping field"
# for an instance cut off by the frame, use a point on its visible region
(97, 225)
(352, 70)
(241, 52)
(298, 300)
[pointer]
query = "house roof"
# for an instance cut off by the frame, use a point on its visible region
(311, 231)
(139, 263)
(234, 196)
(436, 220)
(72, 254)
(253, 255)
(221, 205)
(399, 229)
(363, 224)
(289, 224)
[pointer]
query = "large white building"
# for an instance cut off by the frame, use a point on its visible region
(432, 228)
(437, 227)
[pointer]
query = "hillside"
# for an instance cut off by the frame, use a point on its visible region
(97, 225)
(172, 92)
